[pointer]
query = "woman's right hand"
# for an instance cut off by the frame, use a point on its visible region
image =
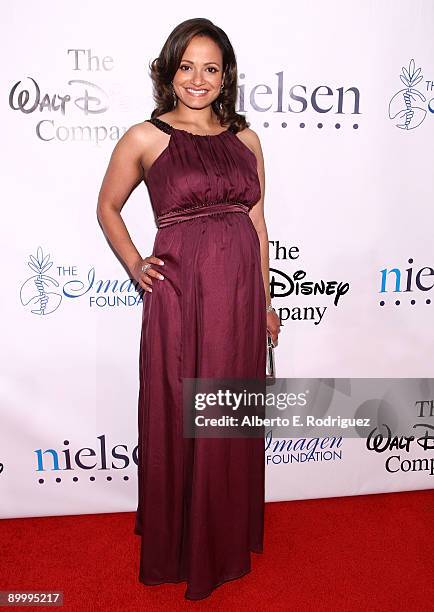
(145, 278)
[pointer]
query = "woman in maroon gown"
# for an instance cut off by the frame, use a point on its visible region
(201, 500)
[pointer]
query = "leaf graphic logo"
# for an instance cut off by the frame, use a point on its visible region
(37, 293)
(42, 293)
(403, 109)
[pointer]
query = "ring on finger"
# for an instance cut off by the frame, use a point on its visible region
(146, 267)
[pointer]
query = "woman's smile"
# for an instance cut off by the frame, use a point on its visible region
(197, 93)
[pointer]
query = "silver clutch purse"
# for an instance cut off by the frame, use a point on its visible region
(270, 369)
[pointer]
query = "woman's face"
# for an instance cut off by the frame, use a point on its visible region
(199, 77)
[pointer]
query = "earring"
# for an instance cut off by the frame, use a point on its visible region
(175, 99)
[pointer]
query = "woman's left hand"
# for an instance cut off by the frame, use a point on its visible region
(273, 326)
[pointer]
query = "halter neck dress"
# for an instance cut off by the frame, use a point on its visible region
(200, 500)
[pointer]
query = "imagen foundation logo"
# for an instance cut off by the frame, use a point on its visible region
(407, 107)
(49, 287)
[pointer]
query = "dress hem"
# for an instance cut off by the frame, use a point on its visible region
(209, 592)
(202, 595)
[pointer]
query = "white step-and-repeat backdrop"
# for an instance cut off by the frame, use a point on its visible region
(341, 95)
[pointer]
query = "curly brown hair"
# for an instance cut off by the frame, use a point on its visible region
(164, 67)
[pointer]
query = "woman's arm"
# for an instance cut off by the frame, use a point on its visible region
(256, 214)
(123, 174)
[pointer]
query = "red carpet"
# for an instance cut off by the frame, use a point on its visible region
(370, 553)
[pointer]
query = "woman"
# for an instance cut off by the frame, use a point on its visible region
(206, 308)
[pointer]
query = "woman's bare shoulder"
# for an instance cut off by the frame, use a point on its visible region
(141, 132)
(138, 140)
(251, 139)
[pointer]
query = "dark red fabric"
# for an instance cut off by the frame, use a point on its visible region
(201, 501)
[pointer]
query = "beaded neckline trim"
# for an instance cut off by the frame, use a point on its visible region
(166, 127)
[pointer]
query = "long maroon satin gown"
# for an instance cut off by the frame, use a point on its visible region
(201, 501)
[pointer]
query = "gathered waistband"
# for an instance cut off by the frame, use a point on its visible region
(200, 211)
